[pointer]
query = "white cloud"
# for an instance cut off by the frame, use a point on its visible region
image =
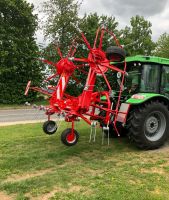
(156, 11)
(128, 8)
(160, 22)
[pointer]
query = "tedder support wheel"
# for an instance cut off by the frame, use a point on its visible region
(68, 138)
(148, 125)
(50, 127)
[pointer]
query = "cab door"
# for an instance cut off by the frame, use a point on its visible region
(164, 88)
(150, 78)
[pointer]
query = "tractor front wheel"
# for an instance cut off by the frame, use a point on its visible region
(148, 126)
(50, 127)
(69, 137)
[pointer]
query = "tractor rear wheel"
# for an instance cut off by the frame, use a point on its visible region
(68, 138)
(148, 127)
(50, 127)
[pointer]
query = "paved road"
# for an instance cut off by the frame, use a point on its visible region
(21, 115)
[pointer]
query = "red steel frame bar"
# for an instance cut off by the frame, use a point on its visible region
(104, 76)
(119, 97)
(59, 52)
(101, 38)
(86, 42)
(95, 41)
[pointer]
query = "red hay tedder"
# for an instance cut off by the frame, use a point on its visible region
(90, 105)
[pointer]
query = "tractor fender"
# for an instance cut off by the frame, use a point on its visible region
(144, 97)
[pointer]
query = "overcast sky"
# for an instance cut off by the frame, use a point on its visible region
(156, 11)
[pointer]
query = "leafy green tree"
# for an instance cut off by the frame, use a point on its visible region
(162, 46)
(17, 51)
(90, 23)
(61, 21)
(137, 37)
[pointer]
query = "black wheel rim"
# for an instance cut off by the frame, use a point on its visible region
(155, 126)
(51, 127)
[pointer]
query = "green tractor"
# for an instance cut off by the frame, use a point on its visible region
(145, 98)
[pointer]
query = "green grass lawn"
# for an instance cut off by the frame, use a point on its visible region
(37, 166)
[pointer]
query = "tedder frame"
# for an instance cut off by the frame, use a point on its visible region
(134, 102)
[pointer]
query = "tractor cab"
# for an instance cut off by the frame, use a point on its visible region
(148, 75)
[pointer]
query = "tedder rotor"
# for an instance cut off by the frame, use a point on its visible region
(90, 105)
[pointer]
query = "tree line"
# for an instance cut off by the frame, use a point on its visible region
(19, 50)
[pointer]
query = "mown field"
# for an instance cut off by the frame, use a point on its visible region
(37, 166)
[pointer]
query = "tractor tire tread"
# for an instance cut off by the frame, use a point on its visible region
(135, 121)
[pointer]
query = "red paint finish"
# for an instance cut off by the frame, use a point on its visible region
(89, 102)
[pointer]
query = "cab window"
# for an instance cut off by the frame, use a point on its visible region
(150, 78)
(165, 80)
(132, 80)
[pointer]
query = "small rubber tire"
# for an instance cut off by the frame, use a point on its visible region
(148, 127)
(50, 127)
(67, 139)
(115, 51)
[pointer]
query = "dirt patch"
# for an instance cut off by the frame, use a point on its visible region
(4, 196)
(94, 172)
(153, 170)
(90, 154)
(134, 182)
(164, 148)
(75, 188)
(17, 178)
(49, 195)
(157, 191)
(72, 161)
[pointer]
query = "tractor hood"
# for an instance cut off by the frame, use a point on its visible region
(146, 59)
(143, 97)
